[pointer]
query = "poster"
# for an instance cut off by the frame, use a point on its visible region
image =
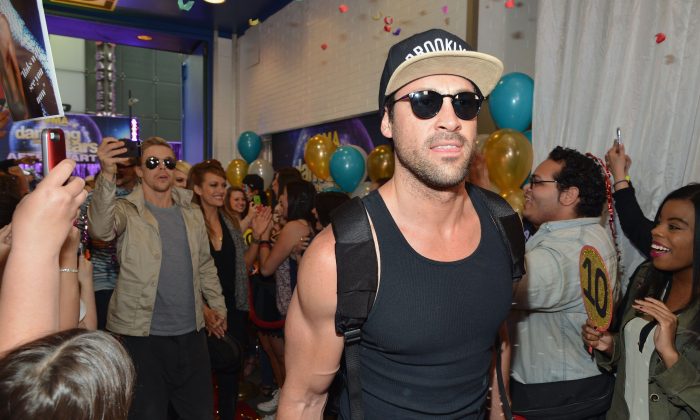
(27, 73)
(288, 146)
(83, 134)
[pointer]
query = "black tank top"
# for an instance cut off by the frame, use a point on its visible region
(427, 343)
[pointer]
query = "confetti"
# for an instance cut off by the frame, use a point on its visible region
(324, 46)
(377, 16)
(253, 22)
(444, 9)
(396, 32)
(343, 8)
(660, 37)
(387, 28)
(185, 6)
(510, 4)
(388, 20)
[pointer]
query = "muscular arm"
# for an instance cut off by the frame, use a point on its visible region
(312, 348)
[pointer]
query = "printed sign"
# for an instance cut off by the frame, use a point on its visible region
(27, 71)
(595, 287)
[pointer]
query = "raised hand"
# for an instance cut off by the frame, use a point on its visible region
(44, 217)
(107, 152)
(665, 334)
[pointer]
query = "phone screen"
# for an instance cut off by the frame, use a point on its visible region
(257, 200)
(53, 148)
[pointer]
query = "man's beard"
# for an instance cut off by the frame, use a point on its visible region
(439, 176)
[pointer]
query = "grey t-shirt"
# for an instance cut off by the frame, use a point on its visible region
(173, 313)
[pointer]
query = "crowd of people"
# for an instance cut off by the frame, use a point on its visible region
(140, 298)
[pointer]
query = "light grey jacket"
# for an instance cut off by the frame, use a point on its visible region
(139, 252)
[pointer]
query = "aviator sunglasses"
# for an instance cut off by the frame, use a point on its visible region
(426, 104)
(152, 162)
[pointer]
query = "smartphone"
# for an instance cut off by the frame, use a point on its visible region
(618, 137)
(133, 148)
(257, 200)
(53, 148)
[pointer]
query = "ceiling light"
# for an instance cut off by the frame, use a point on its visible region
(215, 1)
(144, 37)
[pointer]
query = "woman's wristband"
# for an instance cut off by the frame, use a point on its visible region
(629, 183)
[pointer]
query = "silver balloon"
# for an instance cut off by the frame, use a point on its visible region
(264, 169)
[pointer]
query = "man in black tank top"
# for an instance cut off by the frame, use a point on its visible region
(444, 274)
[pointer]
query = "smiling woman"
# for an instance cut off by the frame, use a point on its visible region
(232, 259)
(657, 351)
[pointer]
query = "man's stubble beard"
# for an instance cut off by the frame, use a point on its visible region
(434, 175)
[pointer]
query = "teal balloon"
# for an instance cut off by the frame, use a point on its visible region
(510, 102)
(249, 145)
(347, 168)
(528, 134)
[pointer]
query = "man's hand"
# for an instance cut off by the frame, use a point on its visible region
(214, 322)
(106, 152)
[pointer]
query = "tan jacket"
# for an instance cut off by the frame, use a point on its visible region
(139, 253)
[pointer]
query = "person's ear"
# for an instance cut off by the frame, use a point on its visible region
(197, 189)
(386, 127)
(569, 197)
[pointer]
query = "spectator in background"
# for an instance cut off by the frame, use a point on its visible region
(237, 205)
(282, 177)
(296, 202)
(233, 259)
(656, 353)
(324, 204)
(166, 275)
(564, 199)
(182, 170)
(254, 185)
(635, 225)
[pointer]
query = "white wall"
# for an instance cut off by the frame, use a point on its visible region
(69, 61)
(509, 34)
(286, 80)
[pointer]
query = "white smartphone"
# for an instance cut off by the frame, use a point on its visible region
(618, 137)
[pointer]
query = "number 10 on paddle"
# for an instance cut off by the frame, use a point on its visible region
(596, 289)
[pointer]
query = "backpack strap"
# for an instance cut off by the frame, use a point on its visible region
(356, 265)
(509, 226)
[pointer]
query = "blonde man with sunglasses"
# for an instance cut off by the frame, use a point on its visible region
(166, 274)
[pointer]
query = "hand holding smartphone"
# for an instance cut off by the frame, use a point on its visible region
(53, 148)
(133, 149)
(618, 137)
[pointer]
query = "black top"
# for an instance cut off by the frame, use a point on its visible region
(428, 340)
(225, 261)
(636, 227)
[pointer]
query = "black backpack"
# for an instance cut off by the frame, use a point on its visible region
(357, 283)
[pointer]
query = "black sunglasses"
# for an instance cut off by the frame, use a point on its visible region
(426, 104)
(152, 162)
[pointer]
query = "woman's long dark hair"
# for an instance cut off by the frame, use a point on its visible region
(301, 196)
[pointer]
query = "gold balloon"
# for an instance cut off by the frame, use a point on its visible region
(380, 163)
(516, 199)
(317, 154)
(508, 156)
(236, 171)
